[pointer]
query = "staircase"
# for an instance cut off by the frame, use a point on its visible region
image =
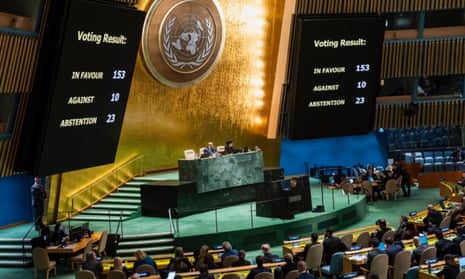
(125, 203)
(11, 252)
(152, 244)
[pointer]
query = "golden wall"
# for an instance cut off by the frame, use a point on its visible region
(233, 102)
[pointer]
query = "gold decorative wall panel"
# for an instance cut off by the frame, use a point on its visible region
(17, 62)
(233, 102)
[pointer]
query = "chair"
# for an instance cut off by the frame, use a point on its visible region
(391, 189)
(368, 189)
(116, 274)
(364, 239)
(231, 276)
(42, 262)
(461, 275)
(315, 257)
(445, 223)
(401, 264)
(429, 253)
(146, 268)
(264, 275)
(85, 274)
(334, 269)
(189, 154)
(391, 234)
(99, 249)
(347, 240)
(379, 265)
(227, 261)
(412, 272)
(292, 274)
(81, 258)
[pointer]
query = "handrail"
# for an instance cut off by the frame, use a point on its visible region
(115, 179)
(24, 237)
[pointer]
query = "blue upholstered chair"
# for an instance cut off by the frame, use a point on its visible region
(412, 272)
(335, 267)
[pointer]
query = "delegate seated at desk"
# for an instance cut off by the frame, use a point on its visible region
(209, 150)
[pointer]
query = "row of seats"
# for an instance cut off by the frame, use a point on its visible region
(424, 137)
(435, 161)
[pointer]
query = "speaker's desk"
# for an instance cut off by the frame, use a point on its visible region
(211, 174)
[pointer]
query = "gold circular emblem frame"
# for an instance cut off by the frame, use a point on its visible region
(182, 41)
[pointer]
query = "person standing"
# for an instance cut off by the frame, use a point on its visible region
(38, 202)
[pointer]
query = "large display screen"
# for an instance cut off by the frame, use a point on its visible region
(83, 88)
(333, 75)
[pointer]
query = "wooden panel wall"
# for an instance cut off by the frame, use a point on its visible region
(18, 54)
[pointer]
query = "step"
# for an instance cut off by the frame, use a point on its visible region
(120, 200)
(148, 236)
(15, 255)
(126, 189)
(13, 247)
(14, 240)
(153, 242)
(103, 218)
(96, 211)
(115, 207)
(15, 263)
(128, 195)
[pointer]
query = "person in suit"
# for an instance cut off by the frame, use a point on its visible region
(267, 255)
(392, 249)
(450, 270)
(314, 240)
(433, 218)
(118, 265)
(228, 250)
(288, 266)
(331, 245)
(382, 229)
(374, 243)
(180, 263)
(38, 202)
(259, 269)
(204, 274)
(241, 261)
(92, 264)
(303, 273)
(209, 150)
(405, 229)
(419, 249)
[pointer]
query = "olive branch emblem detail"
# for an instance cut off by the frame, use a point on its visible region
(170, 53)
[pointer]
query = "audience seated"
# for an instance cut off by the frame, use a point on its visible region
(314, 240)
(419, 248)
(288, 266)
(204, 274)
(405, 230)
(331, 245)
(228, 250)
(260, 268)
(143, 258)
(382, 229)
(433, 218)
(241, 261)
(118, 265)
(303, 273)
(180, 263)
(267, 255)
(450, 270)
(204, 257)
(374, 243)
(92, 264)
(444, 246)
(392, 249)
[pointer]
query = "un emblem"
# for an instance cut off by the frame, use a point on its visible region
(182, 41)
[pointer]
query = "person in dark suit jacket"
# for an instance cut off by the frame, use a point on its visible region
(331, 245)
(314, 240)
(433, 218)
(382, 229)
(260, 268)
(267, 255)
(288, 266)
(451, 269)
(392, 249)
(374, 242)
(241, 261)
(303, 273)
(92, 264)
(420, 248)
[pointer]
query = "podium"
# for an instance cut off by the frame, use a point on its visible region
(284, 198)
